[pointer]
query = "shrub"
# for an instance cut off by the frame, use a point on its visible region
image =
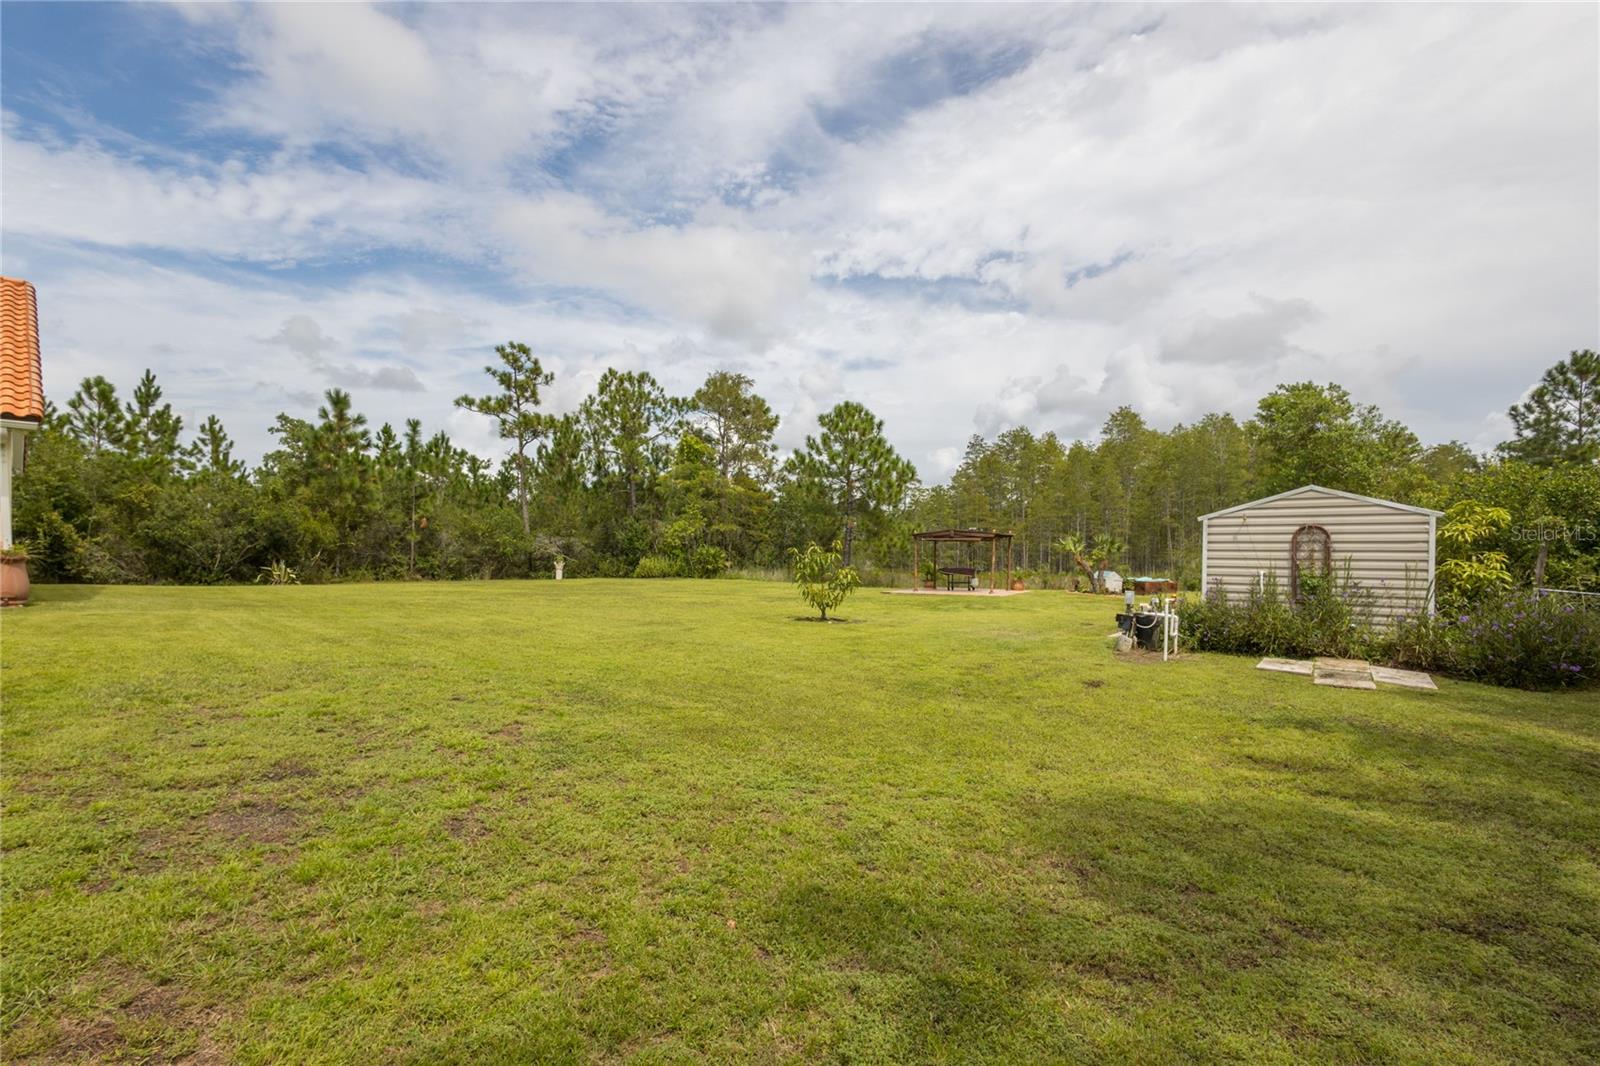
(658, 566)
(1332, 621)
(278, 573)
(1519, 638)
(708, 560)
(822, 582)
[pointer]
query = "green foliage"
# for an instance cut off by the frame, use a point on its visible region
(630, 422)
(1311, 434)
(821, 578)
(111, 494)
(514, 409)
(1467, 571)
(1559, 422)
(1076, 551)
(277, 572)
(1330, 621)
(707, 560)
(852, 466)
(1517, 638)
(95, 416)
(659, 566)
(1553, 538)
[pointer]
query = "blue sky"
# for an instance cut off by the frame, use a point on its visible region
(965, 217)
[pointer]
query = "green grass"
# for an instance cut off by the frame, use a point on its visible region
(666, 822)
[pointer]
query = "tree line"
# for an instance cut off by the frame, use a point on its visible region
(637, 481)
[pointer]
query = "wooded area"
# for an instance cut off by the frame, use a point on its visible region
(639, 482)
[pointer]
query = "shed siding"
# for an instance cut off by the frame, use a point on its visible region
(1388, 552)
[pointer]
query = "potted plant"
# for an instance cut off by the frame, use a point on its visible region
(930, 575)
(14, 575)
(1018, 584)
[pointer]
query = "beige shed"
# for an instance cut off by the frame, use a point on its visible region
(1312, 535)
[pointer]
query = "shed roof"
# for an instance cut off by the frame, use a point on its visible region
(21, 374)
(1331, 492)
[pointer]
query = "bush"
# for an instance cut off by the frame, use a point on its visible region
(819, 578)
(658, 566)
(708, 560)
(1519, 639)
(1331, 622)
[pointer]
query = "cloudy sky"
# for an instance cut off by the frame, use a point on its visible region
(967, 218)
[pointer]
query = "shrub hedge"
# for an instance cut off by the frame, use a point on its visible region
(1515, 638)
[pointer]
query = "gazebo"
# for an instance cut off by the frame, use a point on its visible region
(936, 537)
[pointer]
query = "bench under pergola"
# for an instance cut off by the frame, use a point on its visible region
(936, 537)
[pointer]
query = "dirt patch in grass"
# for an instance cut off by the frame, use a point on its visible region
(259, 823)
(135, 1020)
(289, 770)
(467, 826)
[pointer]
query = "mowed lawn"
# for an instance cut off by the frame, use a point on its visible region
(666, 822)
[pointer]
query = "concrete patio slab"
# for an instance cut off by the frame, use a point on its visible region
(1405, 678)
(1343, 678)
(1325, 662)
(1286, 666)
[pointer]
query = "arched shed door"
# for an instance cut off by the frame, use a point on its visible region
(1310, 562)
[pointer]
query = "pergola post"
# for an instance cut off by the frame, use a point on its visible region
(916, 564)
(992, 545)
(1008, 562)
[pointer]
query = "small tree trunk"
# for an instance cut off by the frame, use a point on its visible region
(522, 485)
(849, 537)
(1539, 562)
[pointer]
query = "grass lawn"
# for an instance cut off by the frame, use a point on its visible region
(665, 822)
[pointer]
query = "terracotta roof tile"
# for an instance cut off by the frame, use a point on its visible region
(21, 373)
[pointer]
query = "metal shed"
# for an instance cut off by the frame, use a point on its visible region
(1312, 534)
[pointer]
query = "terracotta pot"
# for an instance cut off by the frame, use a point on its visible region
(13, 581)
(1019, 586)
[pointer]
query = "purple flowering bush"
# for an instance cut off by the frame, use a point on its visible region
(1517, 638)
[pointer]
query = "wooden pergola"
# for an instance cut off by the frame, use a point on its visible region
(936, 537)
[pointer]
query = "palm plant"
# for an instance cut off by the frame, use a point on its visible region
(1075, 548)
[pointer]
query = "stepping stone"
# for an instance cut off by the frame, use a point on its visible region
(1343, 678)
(1286, 666)
(1326, 663)
(1405, 678)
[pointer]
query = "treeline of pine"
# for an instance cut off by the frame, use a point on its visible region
(637, 482)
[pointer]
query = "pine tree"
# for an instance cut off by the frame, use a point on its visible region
(515, 409)
(212, 450)
(1559, 422)
(854, 467)
(150, 429)
(94, 416)
(631, 421)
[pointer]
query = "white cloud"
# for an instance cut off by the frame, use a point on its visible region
(303, 336)
(1175, 208)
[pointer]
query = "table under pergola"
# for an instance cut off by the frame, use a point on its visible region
(936, 537)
